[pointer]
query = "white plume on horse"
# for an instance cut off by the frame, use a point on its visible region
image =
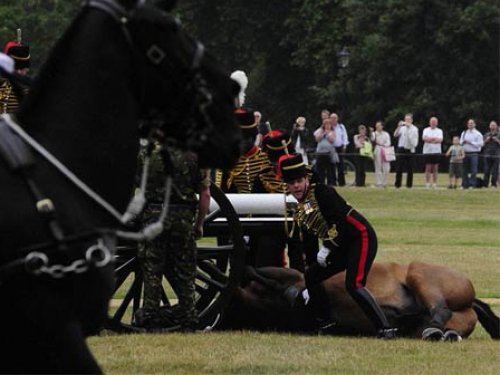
(241, 78)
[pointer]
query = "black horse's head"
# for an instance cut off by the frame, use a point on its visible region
(183, 89)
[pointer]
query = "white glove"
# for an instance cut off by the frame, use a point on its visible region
(322, 255)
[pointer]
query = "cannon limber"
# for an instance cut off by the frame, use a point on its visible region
(220, 267)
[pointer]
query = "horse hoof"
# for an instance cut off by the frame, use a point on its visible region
(432, 334)
(452, 336)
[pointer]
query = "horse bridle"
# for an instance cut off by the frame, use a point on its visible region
(156, 56)
(97, 255)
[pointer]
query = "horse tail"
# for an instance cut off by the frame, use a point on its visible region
(487, 318)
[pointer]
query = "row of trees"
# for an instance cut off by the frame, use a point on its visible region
(429, 57)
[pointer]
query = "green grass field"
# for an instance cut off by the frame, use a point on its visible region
(459, 228)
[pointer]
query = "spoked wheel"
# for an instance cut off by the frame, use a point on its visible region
(220, 268)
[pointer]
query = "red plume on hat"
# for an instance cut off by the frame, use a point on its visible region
(275, 144)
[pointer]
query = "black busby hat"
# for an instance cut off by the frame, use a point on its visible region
(276, 144)
(292, 167)
(18, 51)
(246, 120)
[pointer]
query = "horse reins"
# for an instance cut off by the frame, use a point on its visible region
(157, 56)
(98, 255)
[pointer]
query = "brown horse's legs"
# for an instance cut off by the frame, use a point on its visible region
(462, 321)
(431, 295)
(440, 315)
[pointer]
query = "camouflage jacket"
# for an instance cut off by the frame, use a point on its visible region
(187, 178)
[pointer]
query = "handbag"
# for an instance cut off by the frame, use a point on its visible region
(366, 150)
(388, 154)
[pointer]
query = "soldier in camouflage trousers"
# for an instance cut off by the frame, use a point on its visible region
(173, 253)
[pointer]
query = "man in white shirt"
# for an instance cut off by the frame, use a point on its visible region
(472, 141)
(340, 144)
(407, 135)
(432, 137)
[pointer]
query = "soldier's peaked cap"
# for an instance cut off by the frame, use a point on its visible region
(292, 167)
(19, 52)
(246, 120)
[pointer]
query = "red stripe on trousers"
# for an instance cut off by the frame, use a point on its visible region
(364, 249)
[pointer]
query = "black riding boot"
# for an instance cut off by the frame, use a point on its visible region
(373, 311)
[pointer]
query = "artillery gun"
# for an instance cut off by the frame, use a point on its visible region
(221, 257)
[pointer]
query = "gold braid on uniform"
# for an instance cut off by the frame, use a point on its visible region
(218, 178)
(8, 99)
(308, 216)
(271, 182)
(247, 170)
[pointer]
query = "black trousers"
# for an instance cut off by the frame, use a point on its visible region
(491, 169)
(340, 167)
(355, 256)
(324, 169)
(405, 163)
(361, 165)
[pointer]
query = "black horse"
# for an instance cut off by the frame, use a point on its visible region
(118, 63)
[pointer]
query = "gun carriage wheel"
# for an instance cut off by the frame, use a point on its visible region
(220, 268)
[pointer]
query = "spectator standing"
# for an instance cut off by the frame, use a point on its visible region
(362, 143)
(325, 138)
(432, 138)
(382, 139)
(299, 137)
(457, 154)
(491, 152)
(263, 128)
(325, 113)
(472, 140)
(341, 142)
(407, 135)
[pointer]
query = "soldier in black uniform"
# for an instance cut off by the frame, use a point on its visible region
(253, 162)
(349, 243)
(271, 245)
(10, 96)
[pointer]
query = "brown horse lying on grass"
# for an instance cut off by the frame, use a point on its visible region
(421, 300)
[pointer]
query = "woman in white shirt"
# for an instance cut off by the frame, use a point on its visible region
(381, 139)
(432, 137)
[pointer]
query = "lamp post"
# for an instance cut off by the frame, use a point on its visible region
(343, 57)
(342, 63)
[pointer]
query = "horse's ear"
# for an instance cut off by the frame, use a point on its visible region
(166, 5)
